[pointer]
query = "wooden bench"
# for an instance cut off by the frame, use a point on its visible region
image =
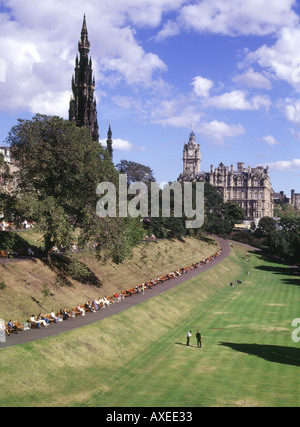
(87, 310)
(20, 326)
(35, 325)
(16, 324)
(49, 318)
(77, 312)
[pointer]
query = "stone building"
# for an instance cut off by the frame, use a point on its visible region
(295, 199)
(282, 199)
(250, 187)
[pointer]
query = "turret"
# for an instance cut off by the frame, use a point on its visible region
(109, 142)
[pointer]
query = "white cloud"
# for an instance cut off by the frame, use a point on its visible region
(285, 165)
(126, 102)
(270, 140)
(170, 28)
(44, 103)
(232, 17)
(202, 86)
(119, 144)
(292, 110)
(282, 59)
(39, 52)
(180, 111)
(253, 79)
(218, 131)
(236, 100)
(239, 17)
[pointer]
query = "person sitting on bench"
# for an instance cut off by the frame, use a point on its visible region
(34, 322)
(12, 328)
(53, 316)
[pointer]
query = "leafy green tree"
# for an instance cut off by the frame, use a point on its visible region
(57, 159)
(136, 172)
(5, 198)
(285, 241)
(114, 238)
(234, 212)
(220, 217)
(266, 225)
(50, 220)
(290, 222)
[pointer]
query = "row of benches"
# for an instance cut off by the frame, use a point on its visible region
(74, 312)
(18, 252)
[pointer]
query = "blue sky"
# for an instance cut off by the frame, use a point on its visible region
(229, 69)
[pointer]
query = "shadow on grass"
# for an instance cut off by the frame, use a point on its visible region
(65, 267)
(181, 343)
(284, 271)
(271, 353)
(12, 242)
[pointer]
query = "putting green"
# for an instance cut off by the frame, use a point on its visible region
(139, 357)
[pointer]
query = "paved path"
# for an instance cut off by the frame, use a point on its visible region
(80, 321)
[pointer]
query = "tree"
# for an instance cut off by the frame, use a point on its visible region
(136, 172)
(234, 212)
(114, 237)
(57, 159)
(220, 217)
(285, 241)
(5, 177)
(50, 220)
(60, 167)
(266, 225)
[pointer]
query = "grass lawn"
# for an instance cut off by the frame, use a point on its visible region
(139, 358)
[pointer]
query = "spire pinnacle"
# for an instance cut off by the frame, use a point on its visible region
(109, 142)
(84, 27)
(84, 43)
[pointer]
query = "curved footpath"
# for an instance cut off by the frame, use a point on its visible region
(118, 307)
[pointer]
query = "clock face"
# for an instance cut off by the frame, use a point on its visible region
(191, 152)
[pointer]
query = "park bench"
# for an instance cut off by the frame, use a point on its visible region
(35, 325)
(76, 312)
(19, 326)
(87, 310)
(49, 318)
(110, 299)
(3, 254)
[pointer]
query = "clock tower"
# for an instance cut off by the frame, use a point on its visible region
(191, 158)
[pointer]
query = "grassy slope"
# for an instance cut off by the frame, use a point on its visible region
(25, 280)
(138, 358)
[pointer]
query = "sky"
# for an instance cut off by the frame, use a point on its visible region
(229, 70)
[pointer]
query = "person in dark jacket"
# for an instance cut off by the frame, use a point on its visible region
(199, 339)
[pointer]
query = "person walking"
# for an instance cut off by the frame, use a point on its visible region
(188, 336)
(199, 339)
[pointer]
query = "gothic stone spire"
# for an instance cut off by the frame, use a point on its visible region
(83, 109)
(109, 142)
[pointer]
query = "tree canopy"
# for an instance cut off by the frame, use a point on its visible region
(60, 167)
(57, 159)
(136, 172)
